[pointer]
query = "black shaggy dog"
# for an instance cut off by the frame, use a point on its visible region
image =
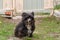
(26, 27)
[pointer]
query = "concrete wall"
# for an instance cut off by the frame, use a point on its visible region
(7, 4)
(1, 4)
(13, 4)
(20, 5)
(33, 4)
(48, 4)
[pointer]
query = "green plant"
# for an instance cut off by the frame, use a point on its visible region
(57, 7)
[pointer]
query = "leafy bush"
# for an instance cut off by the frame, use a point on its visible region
(57, 7)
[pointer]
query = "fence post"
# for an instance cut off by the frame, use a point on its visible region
(52, 12)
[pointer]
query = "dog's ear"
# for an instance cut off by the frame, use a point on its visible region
(32, 13)
(24, 14)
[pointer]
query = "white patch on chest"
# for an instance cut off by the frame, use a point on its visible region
(29, 30)
(29, 27)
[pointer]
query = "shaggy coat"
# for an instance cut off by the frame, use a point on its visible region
(22, 29)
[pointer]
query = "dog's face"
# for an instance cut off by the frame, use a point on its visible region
(28, 19)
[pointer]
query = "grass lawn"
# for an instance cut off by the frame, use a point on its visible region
(6, 29)
(46, 29)
(42, 13)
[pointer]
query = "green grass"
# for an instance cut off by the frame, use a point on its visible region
(47, 26)
(6, 29)
(44, 26)
(42, 13)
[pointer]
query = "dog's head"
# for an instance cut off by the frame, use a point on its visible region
(28, 18)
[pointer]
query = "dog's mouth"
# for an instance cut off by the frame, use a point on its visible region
(28, 25)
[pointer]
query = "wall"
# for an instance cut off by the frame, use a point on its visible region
(13, 4)
(7, 4)
(25, 4)
(19, 5)
(33, 4)
(1, 4)
(48, 4)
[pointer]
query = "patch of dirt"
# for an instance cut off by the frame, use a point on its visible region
(14, 21)
(14, 38)
(54, 35)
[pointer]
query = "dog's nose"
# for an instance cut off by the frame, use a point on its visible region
(29, 21)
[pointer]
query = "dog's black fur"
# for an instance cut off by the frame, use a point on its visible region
(21, 29)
